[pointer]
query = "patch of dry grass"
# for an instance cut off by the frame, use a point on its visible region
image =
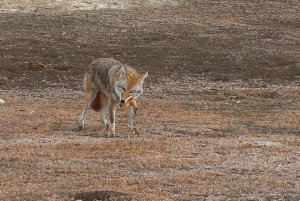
(35, 5)
(182, 153)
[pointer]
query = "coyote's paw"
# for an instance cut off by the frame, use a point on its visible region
(80, 127)
(112, 133)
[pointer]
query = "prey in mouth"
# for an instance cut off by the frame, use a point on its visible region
(129, 102)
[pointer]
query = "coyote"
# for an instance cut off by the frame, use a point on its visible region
(109, 83)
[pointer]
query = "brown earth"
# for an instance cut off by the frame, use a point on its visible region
(219, 119)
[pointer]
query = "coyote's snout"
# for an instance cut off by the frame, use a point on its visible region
(109, 83)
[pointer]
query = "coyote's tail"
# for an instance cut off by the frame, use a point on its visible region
(97, 102)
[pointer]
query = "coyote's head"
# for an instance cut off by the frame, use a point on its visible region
(129, 84)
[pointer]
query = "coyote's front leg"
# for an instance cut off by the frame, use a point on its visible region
(131, 119)
(112, 117)
(132, 111)
(104, 111)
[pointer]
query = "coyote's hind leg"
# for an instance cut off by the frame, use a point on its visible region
(88, 99)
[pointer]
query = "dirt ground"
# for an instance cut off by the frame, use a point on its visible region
(219, 118)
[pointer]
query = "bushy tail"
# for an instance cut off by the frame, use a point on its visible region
(97, 102)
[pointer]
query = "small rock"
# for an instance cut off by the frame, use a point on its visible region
(43, 128)
(262, 143)
(2, 101)
(36, 66)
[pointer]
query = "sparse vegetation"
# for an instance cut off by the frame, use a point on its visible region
(219, 119)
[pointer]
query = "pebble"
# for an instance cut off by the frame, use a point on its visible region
(262, 143)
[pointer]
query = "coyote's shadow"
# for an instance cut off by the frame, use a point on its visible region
(102, 133)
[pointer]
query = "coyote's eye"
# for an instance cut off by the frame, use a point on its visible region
(135, 92)
(121, 89)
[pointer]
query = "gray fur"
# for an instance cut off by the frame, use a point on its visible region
(107, 76)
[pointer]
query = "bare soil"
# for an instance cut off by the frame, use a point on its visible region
(219, 120)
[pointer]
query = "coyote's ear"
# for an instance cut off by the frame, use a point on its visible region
(143, 76)
(121, 73)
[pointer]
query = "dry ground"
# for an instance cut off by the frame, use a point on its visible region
(219, 119)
